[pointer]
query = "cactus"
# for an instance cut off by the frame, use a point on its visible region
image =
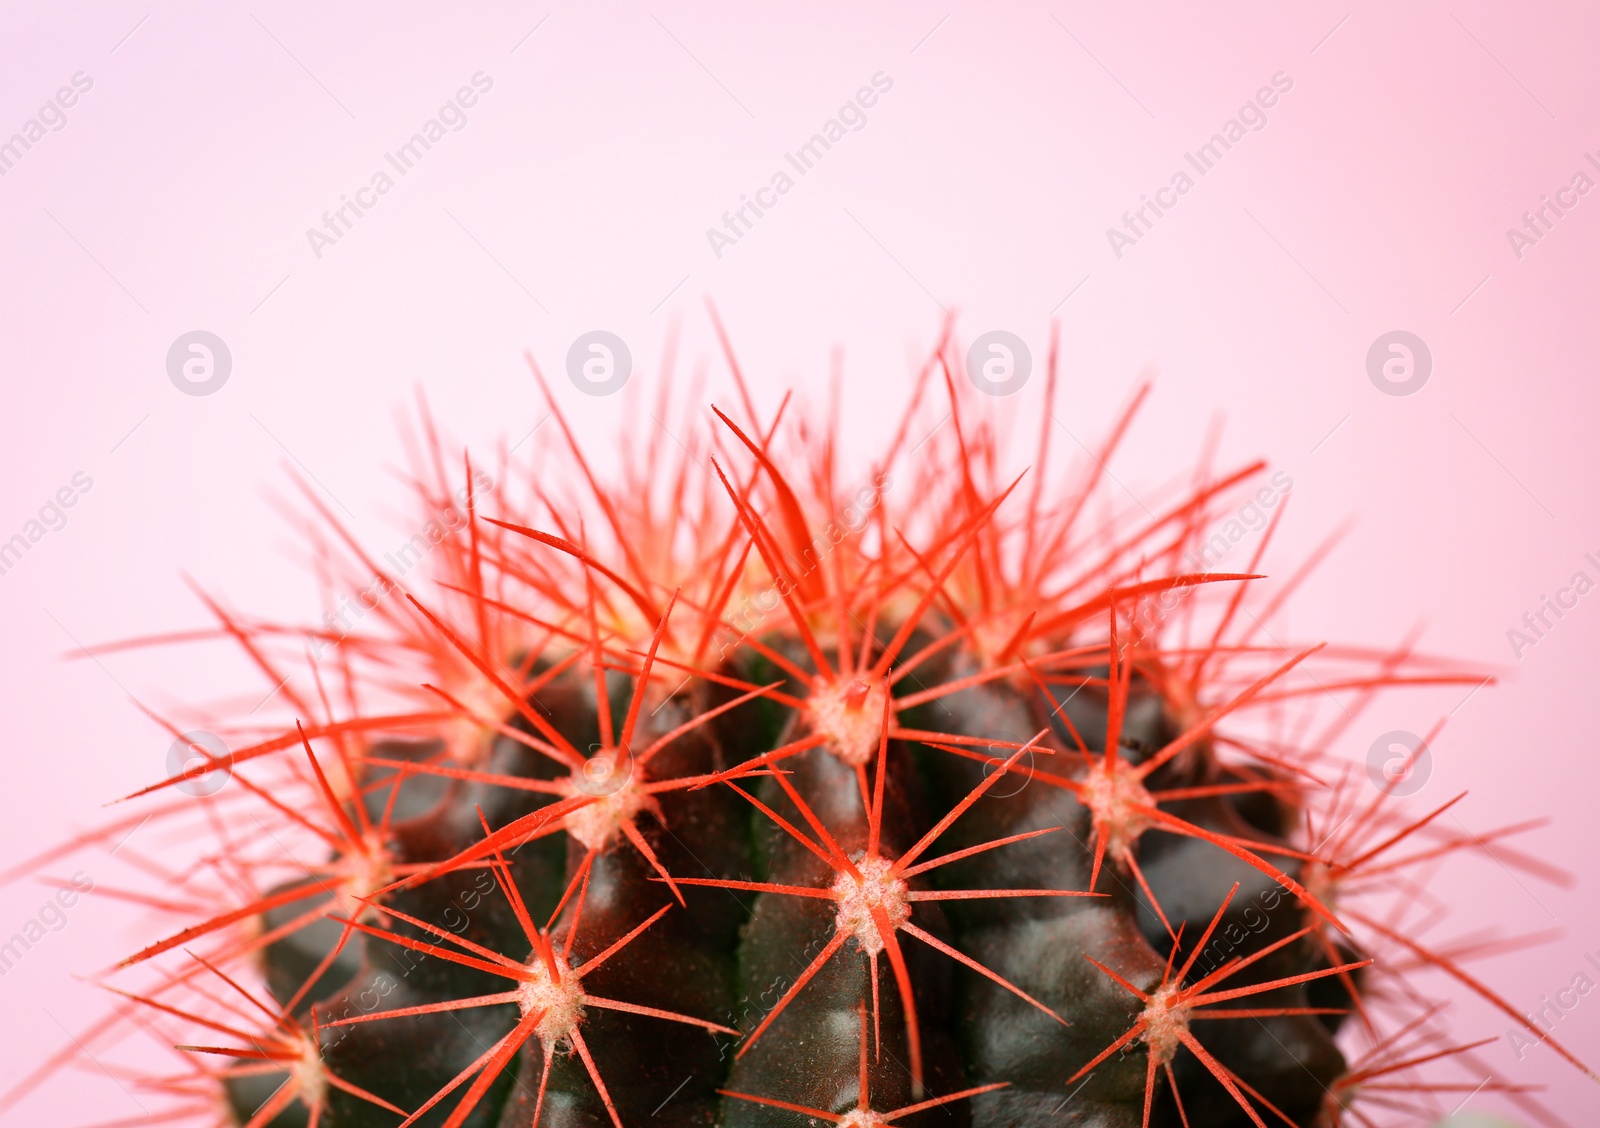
(734, 797)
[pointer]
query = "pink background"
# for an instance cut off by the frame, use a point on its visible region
(577, 196)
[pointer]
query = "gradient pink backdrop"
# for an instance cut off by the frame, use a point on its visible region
(1377, 197)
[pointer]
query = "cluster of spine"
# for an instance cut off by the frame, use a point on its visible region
(751, 800)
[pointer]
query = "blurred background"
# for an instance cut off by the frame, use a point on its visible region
(1381, 280)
